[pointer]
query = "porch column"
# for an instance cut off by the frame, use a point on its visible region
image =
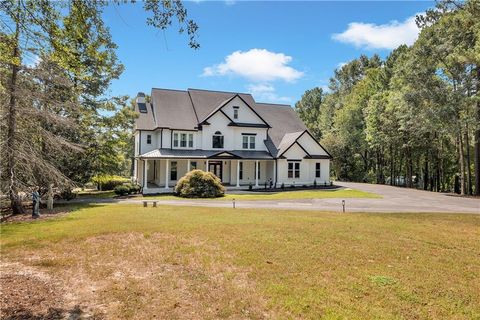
(238, 173)
(256, 173)
(167, 162)
(206, 166)
(188, 165)
(145, 176)
(274, 173)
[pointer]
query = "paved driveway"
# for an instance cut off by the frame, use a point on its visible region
(395, 199)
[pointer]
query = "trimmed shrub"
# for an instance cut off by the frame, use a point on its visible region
(199, 184)
(134, 188)
(108, 182)
(122, 190)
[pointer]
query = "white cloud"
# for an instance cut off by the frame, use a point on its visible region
(230, 2)
(264, 92)
(384, 36)
(257, 65)
(341, 64)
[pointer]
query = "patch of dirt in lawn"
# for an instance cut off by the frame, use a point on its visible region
(27, 293)
(147, 276)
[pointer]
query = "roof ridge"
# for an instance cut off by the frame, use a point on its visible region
(166, 89)
(232, 92)
(274, 104)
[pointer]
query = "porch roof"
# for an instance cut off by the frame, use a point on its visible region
(205, 154)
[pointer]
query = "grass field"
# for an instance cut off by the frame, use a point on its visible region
(286, 195)
(125, 261)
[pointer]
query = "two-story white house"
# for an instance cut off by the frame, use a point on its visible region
(241, 141)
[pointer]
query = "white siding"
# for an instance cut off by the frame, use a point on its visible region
(245, 114)
(312, 147)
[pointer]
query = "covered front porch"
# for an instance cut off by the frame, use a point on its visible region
(160, 175)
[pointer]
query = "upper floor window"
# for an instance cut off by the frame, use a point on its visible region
(183, 140)
(294, 170)
(217, 140)
(248, 141)
(317, 170)
(149, 139)
(235, 112)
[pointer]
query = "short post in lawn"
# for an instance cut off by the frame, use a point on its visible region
(145, 204)
(233, 203)
(343, 205)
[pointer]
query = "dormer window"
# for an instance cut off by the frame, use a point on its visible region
(217, 140)
(235, 112)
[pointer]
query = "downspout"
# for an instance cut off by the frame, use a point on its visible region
(140, 143)
(143, 173)
(161, 138)
(276, 172)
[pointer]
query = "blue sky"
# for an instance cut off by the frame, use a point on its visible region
(275, 50)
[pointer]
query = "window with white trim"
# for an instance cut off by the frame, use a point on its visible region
(173, 171)
(293, 170)
(235, 112)
(183, 140)
(317, 170)
(217, 140)
(248, 141)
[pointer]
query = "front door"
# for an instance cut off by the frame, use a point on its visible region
(215, 167)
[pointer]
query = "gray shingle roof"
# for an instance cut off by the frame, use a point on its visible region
(173, 109)
(178, 109)
(282, 118)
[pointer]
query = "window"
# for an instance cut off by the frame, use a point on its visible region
(240, 173)
(149, 139)
(173, 170)
(235, 112)
(217, 140)
(193, 165)
(175, 139)
(259, 174)
(317, 170)
(183, 140)
(190, 140)
(248, 141)
(293, 170)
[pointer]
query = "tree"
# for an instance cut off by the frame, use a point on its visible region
(308, 109)
(57, 61)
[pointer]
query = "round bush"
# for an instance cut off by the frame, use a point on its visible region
(122, 190)
(199, 184)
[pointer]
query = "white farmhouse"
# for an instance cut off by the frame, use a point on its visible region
(241, 141)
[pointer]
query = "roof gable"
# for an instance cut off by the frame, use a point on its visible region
(235, 99)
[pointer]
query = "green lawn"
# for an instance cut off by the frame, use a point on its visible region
(126, 261)
(286, 195)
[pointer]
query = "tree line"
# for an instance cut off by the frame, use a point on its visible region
(58, 126)
(413, 118)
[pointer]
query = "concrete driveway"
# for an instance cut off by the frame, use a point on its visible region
(394, 199)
